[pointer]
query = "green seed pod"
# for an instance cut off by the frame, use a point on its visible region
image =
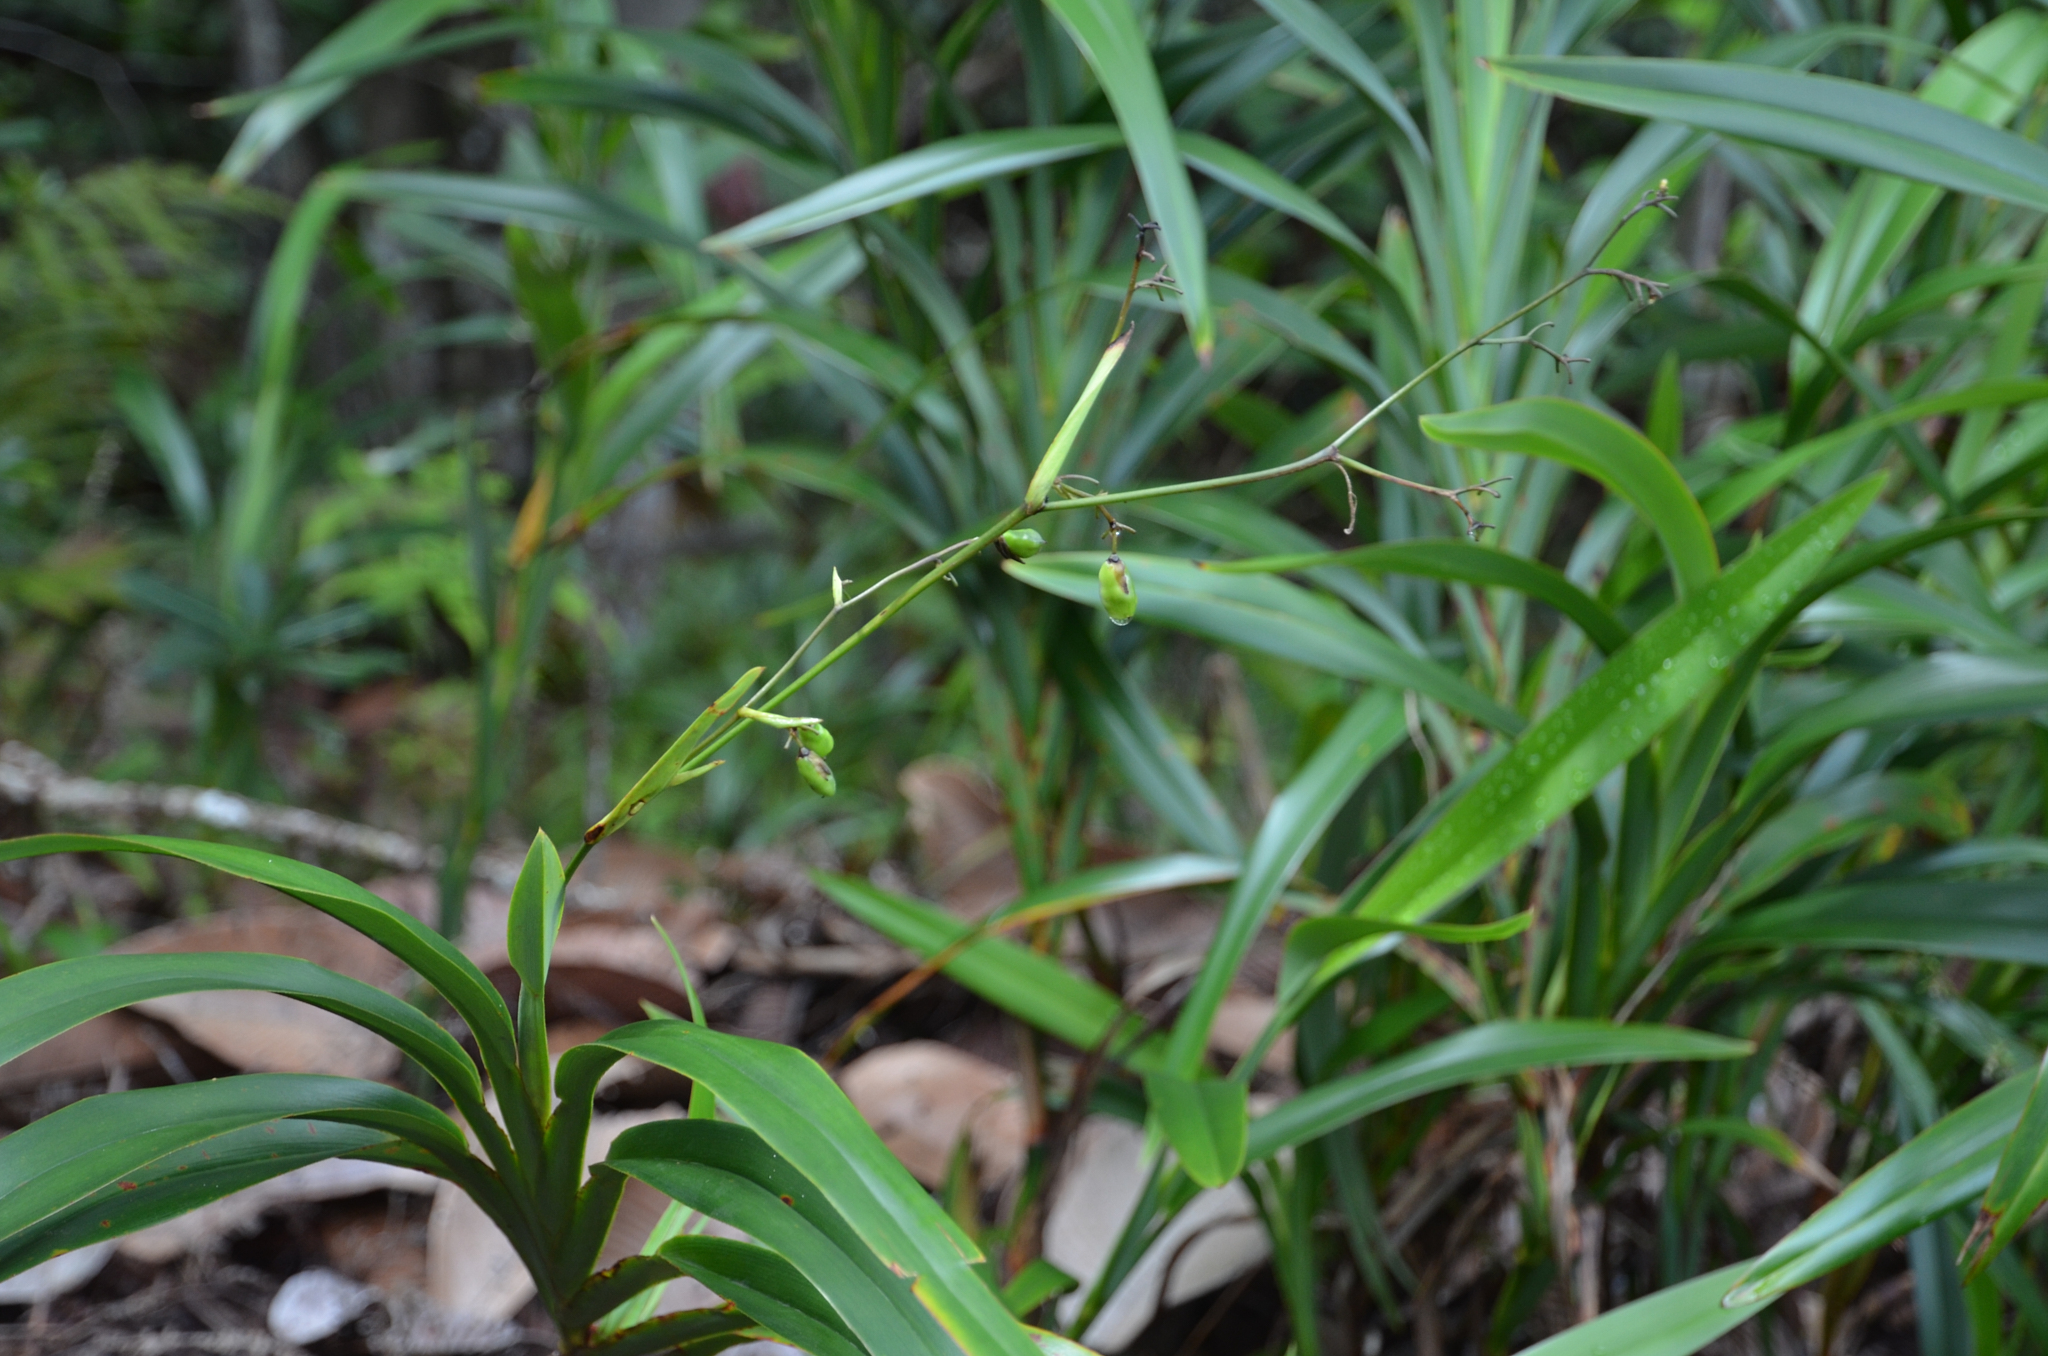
(816, 774)
(816, 738)
(1119, 597)
(1020, 543)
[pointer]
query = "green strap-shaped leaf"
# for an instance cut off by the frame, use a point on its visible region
(1844, 814)
(382, 27)
(730, 1173)
(1937, 1170)
(1835, 119)
(1947, 686)
(1267, 615)
(431, 956)
(91, 1147)
(643, 98)
(1205, 1120)
(794, 1106)
(1320, 951)
(767, 1289)
(48, 1000)
(1031, 986)
(1614, 715)
(196, 1174)
(1460, 562)
(1606, 449)
(1108, 35)
(957, 162)
(1676, 1321)
(2018, 1188)
(1481, 1054)
(1999, 920)
(535, 915)
(1373, 727)
(152, 416)
(1047, 473)
(1325, 37)
(1119, 717)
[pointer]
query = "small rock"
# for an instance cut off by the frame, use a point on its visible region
(316, 1304)
(59, 1276)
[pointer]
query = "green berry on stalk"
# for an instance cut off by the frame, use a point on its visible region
(1020, 543)
(816, 738)
(816, 773)
(1119, 596)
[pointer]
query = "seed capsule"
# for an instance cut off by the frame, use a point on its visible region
(1119, 597)
(816, 774)
(816, 738)
(1020, 543)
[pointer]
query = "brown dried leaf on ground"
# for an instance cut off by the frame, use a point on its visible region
(199, 1231)
(1216, 1239)
(963, 841)
(922, 1096)
(91, 1051)
(264, 1032)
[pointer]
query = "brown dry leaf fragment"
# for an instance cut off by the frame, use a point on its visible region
(922, 1096)
(963, 842)
(264, 1032)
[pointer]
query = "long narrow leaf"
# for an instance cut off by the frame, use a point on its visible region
(1614, 715)
(1821, 115)
(1479, 1055)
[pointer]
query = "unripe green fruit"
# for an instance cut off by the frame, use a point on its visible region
(1119, 596)
(816, 774)
(1020, 543)
(816, 738)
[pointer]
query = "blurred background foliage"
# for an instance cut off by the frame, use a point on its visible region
(431, 453)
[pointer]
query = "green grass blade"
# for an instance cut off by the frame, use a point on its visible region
(794, 1106)
(1676, 1321)
(767, 1289)
(1460, 562)
(1821, 115)
(1120, 719)
(48, 1000)
(730, 1174)
(431, 956)
(1481, 1054)
(1671, 663)
(1250, 176)
(93, 1146)
(2018, 1188)
(1108, 35)
(1034, 988)
(1268, 616)
(1205, 1120)
(535, 915)
(955, 163)
(1326, 38)
(1993, 920)
(1606, 449)
(1062, 445)
(382, 28)
(1373, 727)
(1933, 1173)
(196, 1174)
(1945, 686)
(152, 416)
